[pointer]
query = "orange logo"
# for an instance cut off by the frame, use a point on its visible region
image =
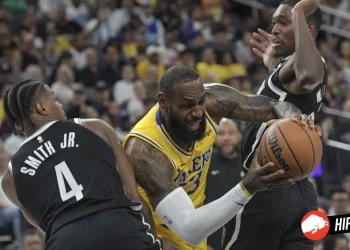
(315, 225)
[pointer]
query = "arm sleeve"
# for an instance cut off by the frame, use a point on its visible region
(192, 225)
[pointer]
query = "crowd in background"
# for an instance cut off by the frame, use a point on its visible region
(104, 59)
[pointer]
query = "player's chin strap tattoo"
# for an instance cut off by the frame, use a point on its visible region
(285, 109)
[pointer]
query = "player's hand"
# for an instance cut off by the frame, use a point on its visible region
(307, 6)
(262, 178)
(262, 47)
(169, 244)
(304, 120)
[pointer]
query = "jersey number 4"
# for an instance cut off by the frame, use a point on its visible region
(63, 173)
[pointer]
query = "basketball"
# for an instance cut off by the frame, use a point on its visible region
(295, 148)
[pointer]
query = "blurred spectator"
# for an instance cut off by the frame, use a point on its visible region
(92, 72)
(77, 11)
(102, 99)
(111, 71)
(152, 61)
(78, 102)
(208, 68)
(69, 28)
(155, 28)
(65, 58)
(124, 90)
(33, 240)
(192, 25)
(229, 68)
(243, 51)
(225, 168)
(187, 58)
(340, 202)
(63, 85)
(167, 12)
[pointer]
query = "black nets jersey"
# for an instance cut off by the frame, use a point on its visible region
(64, 172)
(309, 104)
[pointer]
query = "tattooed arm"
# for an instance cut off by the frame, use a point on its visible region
(153, 170)
(154, 173)
(225, 101)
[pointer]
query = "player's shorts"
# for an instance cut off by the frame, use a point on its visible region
(271, 220)
(112, 229)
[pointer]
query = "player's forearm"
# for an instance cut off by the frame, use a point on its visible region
(262, 109)
(308, 66)
(225, 101)
(194, 225)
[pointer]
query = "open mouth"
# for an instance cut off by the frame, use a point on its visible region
(192, 126)
(275, 42)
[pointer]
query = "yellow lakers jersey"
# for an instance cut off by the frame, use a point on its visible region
(190, 167)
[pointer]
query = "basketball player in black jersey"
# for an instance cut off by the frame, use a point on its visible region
(298, 75)
(64, 177)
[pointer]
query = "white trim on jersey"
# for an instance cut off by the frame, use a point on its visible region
(10, 167)
(237, 229)
(154, 240)
(38, 132)
(78, 121)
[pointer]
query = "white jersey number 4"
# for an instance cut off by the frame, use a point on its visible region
(63, 172)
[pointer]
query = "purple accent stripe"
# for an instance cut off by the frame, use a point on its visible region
(158, 117)
(216, 132)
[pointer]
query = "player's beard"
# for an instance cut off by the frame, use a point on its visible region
(180, 131)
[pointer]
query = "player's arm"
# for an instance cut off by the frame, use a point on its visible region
(306, 64)
(225, 101)
(125, 169)
(173, 206)
(8, 185)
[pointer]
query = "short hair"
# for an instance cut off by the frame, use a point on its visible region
(19, 100)
(337, 190)
(316, 16)
(32, 231)
(175, 75)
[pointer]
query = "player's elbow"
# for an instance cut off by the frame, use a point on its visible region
(191, 237)
(189, 232)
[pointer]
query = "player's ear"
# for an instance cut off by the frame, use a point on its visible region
(163, 101)
(312, 27)
(40, 108)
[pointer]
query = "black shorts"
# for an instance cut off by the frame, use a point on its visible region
(112, 229)
(271, 220)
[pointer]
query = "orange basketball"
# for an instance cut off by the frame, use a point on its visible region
(295, 148)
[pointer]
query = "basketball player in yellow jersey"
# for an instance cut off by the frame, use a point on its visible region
(171, 149)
